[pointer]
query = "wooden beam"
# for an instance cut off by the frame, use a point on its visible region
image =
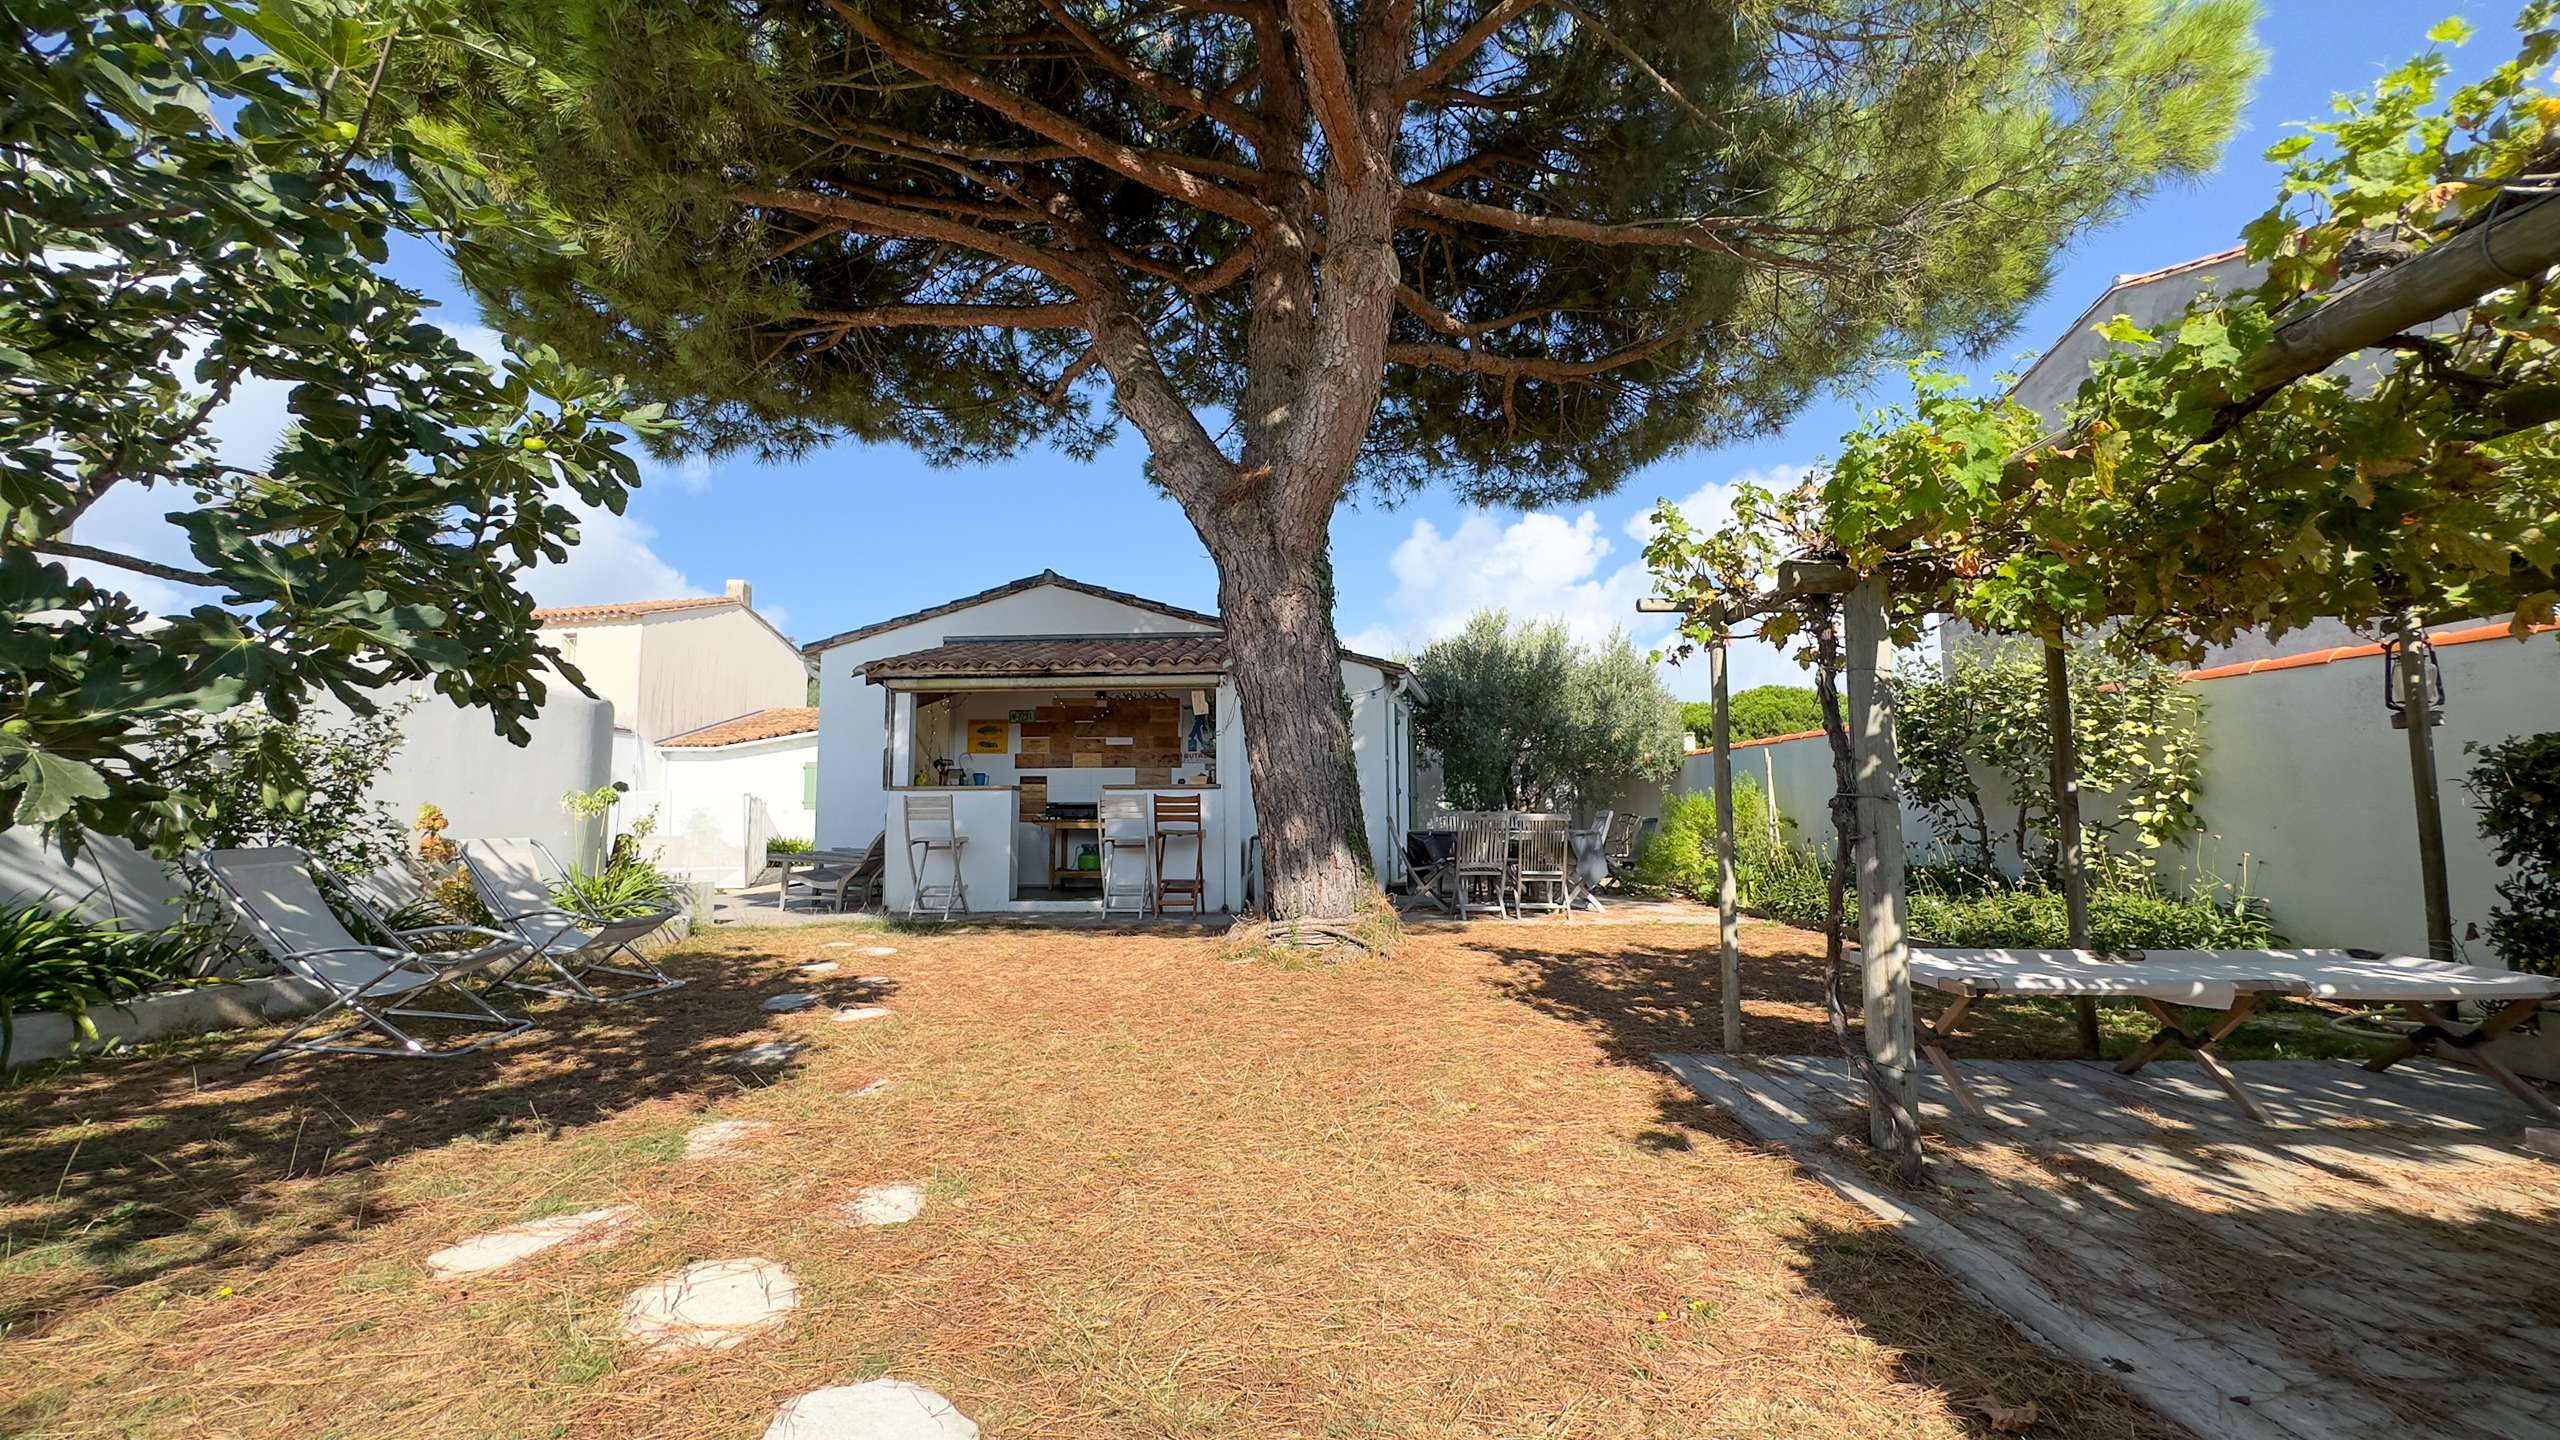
(2458, 269)
(1728, 919)
(2066, 823)
(1891, 1032)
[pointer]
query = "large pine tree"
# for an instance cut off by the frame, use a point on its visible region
(1518, 247)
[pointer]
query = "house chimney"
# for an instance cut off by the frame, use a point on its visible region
(743, 593)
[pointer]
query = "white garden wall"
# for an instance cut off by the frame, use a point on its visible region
(2305, 783)
(491, 788)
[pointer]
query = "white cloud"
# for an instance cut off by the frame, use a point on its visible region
(1540, 564)
(1711, 504)
(613, 560)
(690, 473)
(1548, 565)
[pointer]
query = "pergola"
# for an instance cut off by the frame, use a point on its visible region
(2508, 246)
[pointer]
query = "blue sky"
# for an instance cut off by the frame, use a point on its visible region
(862, 532)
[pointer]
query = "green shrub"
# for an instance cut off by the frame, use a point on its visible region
(1788, 884)
(617, 892)
(2517, 787)
(1679, 857)
(789, 845)
(59, 961)
(1973, 911)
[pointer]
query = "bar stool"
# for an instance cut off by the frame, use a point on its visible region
(1177, 817)
(1125, 829)
(930, 829)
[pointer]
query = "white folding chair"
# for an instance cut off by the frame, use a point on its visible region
(929, 828)
(1126, 839)
(276, 892)
(515, 879)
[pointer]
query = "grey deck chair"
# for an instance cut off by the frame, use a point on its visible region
(514, 878)
(276, 893)
(854, 886)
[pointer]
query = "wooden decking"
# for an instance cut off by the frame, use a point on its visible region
(2383, 1260)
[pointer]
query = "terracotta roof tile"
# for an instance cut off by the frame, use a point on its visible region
(623, 610)
(1202, 653)
(760, 725)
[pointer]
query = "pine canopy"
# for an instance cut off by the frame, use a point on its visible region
(1618, 227)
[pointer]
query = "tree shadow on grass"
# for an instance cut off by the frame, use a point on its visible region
(1639, 997)
(119, 1170)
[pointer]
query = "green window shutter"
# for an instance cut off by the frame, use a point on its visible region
(809, 786)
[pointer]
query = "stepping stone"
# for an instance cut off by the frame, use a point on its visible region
(764, 1055)
(721, 1137)
(785, 1004)
(816, 968)
(873, 980)
(714, 1305)
(500, 1248)
(852, 1013)
(893, 1204)
(876, 1087)
(873, 1410)
(861, 949)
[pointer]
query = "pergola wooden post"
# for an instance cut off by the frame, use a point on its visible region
(2066, 821)
(1728, 919)
(1883, 953)
(2418, 712)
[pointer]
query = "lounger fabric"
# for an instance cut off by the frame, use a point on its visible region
(277, 893)
(2214, 979)
(510, 875)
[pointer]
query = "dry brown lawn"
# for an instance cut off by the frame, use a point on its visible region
(1439, 1194)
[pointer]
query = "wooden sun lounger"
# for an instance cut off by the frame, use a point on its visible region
(2234, 983)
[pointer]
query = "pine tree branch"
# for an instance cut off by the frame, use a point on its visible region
(1437, 319)
(1173, 92)
(883, 220)
(1711, 233)
(1188, 459)
(953, 317)
(1158, 170)
(1329, 86)
(1472, 361)
(1470, 40)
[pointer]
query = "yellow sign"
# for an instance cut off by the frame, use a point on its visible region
(987, 737)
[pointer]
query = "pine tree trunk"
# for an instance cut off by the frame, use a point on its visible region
(1288, 678)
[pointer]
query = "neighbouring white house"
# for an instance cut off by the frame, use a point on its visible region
(675, 672)
(726, 789)
(670, 666)
(1025, 704)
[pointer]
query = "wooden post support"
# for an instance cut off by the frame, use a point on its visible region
(2418, 712)
(2066, 821)
(1891, 1040)
(1728, 920)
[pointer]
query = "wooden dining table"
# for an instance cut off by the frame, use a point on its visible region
(1588, 865)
